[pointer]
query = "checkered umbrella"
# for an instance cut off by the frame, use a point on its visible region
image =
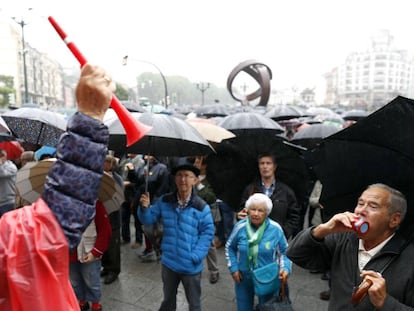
(31, 178)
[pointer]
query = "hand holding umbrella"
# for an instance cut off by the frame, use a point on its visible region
(135, 131)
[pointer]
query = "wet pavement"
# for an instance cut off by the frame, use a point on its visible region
(139, 287)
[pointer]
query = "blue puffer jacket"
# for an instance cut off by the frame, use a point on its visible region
(72, 184)
(187, 232)
(272, 247)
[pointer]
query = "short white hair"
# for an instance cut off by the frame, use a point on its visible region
(259, 198)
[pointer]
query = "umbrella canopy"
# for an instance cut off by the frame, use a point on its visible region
(332, 119)
(169, 136)
(132, 106)
(284, 112)
(250, 122)
(211, 132)
(44, 150)
(234, 166)
(213, 110)
(379, 148)
(354, 115)
(30, 180)
(36, 126)
(315, 111)
(13, 149)
(3, 126)
(310, 136)
(6, 137)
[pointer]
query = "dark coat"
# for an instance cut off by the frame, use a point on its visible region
(285, 211)
(339, 254)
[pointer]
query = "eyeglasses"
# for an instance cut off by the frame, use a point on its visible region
(185, 176)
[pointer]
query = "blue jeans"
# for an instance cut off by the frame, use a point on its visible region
(86, 280)
(6, 208)
(225, 227)
(192, 288)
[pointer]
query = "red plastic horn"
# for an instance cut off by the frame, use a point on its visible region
(134, 129)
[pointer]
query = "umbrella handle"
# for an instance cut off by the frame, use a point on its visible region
(146, 172)
(134, 129)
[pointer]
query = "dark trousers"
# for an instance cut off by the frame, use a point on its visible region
(126, 212)
(111, 259)
(225, 226)
(192, 289)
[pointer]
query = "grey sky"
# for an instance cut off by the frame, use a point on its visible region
(204, 40)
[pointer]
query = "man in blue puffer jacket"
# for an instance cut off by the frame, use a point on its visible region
(188, 232)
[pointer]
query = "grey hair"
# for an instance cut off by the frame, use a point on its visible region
(259, 198)
(397, 202)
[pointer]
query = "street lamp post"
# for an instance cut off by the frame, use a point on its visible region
(22, 24)
(203, 87)
(125, 62)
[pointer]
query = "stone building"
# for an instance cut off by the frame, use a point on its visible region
(43, 77)
(372, 78)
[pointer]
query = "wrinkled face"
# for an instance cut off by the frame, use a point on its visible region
(373, 205)
(185, 180)
(257, 213)
(267, 167)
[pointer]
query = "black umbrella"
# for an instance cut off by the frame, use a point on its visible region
(354, 115)
(6, 137)
(284, 112)
(35, 126)
(250, 123)
(311, 135)
(169, 136)
(378, 148)
(212, 110)
(234, 166)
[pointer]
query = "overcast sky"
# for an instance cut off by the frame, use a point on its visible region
(204, 40)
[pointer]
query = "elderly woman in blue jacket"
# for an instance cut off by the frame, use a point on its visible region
(255, 242)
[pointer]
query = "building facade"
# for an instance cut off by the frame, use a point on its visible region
(372, 78)
(43, 76)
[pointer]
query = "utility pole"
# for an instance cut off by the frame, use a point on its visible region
(22, 24)
(202, 86)
(125, 62)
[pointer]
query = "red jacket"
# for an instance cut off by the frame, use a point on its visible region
(103, 230)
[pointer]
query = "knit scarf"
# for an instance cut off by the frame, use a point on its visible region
(254, 238)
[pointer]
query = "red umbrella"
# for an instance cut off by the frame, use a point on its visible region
(13, 148)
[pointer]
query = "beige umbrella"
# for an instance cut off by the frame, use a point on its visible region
(30, 180)
(210, 131)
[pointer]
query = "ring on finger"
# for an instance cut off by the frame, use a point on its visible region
(107, 79)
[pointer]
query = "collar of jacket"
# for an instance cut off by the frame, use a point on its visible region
(195, 201)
